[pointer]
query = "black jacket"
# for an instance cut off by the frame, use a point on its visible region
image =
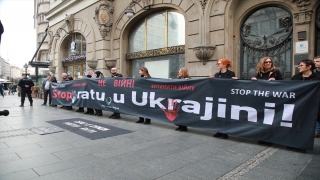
(299, 76)
(25, 81)
(118, 75)
(227, 74)
(271, 74)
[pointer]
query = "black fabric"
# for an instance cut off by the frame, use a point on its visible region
(271, 111)
(271, 74)
(116, 75)
(89, 129)
(25, 81)
(299, 76)
(227, 74)
(45, 98)
(25, 92)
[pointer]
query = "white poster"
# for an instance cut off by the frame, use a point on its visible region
(158, 69)
(302, 47)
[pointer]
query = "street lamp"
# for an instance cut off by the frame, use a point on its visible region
(129, 11)
(26, 67)
(57, 36)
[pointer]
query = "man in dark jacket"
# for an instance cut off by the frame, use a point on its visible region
(115, 74)
(25, 85)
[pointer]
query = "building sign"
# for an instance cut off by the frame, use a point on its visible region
(302, 47)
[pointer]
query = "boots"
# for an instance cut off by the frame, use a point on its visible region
(148, 121)
(141, 120)
(98, 112)
(31, 103)
(21, 105)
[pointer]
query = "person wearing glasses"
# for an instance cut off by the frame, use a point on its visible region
(223, 66)
(306, 73)
(144, 73)
(267, 70)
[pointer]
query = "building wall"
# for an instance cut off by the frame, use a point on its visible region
(209, 22)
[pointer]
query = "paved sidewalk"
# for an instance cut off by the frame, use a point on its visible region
(152, 151)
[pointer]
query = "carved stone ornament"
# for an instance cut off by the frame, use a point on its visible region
(52, 69)
(301, 3)
(203, 4)
(50, 33)
(69, 19)
(303, 17)
(92, 63)
(110, 63)
(204, 52)
(103, 17)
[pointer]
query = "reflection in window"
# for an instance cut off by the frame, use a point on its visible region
(162, 29)
(80, 41)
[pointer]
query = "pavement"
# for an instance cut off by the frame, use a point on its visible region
(154, 151)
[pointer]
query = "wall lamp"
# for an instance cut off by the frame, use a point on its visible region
(57, 36)
(129, 11)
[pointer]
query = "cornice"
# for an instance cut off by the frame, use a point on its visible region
(60, 7)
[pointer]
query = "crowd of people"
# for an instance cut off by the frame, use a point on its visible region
(266, 70)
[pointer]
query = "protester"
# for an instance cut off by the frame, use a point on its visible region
(317, 71)
(98, 111)
(306, 72)
(89, 110)
(182, 74)
(53, 80)
(115, 74)
(25, 85)
(143, 71)
(46, 90)
(223, 66)
(267, 70)
(64, 80)
(81, 109)
(1, 89)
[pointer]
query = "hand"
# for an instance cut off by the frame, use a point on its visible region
(186, 78)
(26, 86)
(254, 79)
(211, 77)
(170, 78)
(172, 111)
(271, 79)
(234, 78)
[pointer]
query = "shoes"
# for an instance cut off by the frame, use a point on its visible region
(87, 112)
(317, 135)
(43, 104)
(265, 143)
(53, 105)
(183, 128)
(112, 115)
(140, 121)
(68, 108)
(178, 128)
(30, 104)
(62, 107)
(91, 113)
(148, 121)
(80, 110)
(217, 134)
(21, 105)
(225, 136)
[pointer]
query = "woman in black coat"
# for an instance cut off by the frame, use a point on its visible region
(267, 70)
(223, 66)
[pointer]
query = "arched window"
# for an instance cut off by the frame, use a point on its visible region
(151, 36)
(266, 32)
(317, 41)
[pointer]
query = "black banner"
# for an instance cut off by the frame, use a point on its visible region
(282, 112)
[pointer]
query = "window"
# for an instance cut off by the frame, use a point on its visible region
(266, 32)
(40, 37)
(165, 29)
(41, 18)
(81, 47)
(159, 30)
(44, 57)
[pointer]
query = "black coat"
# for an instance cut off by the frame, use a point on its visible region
(271, 74)
(227, 74)
(118, 75)
(313, 76)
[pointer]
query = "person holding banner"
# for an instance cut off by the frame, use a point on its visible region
(306, 73)
(182, 74)
(143, 71)
(89, 110)
(98, 75)
(317, 71)
(267, 70)
(115, 74)
(223, 66)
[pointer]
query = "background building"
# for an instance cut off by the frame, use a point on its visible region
(163, 35)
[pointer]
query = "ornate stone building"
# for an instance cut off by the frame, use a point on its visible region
(164, 35)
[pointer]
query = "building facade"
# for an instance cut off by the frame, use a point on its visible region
(164, 35)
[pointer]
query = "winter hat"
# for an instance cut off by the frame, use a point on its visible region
(98, 73)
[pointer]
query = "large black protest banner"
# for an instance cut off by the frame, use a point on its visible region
(282, 112)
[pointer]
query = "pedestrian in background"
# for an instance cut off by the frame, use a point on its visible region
(25, 85)
(1, 89)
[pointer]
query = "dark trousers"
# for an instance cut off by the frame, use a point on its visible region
(46, 93)
(23, 95)
(1, 92)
